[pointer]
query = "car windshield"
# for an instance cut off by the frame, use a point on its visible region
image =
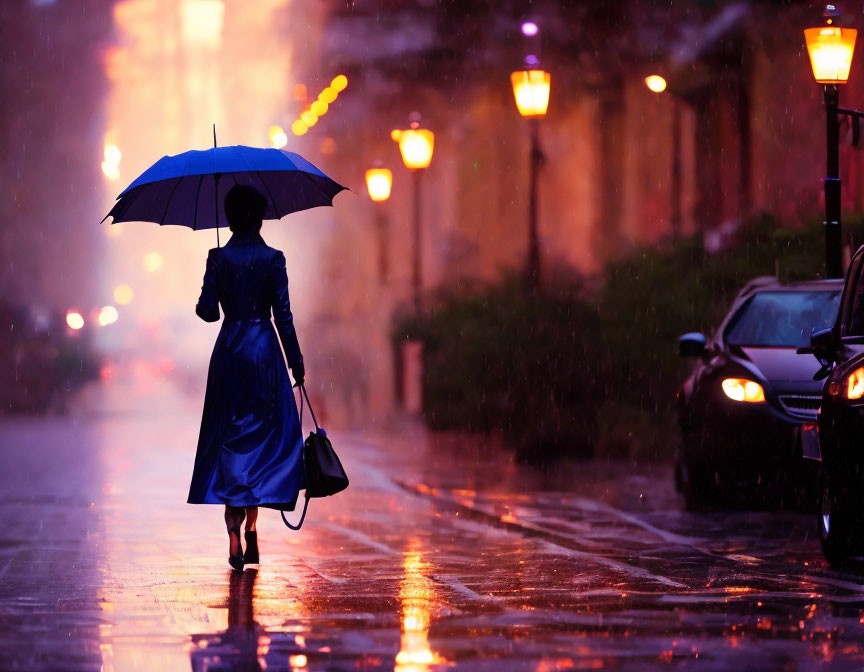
(782, 319)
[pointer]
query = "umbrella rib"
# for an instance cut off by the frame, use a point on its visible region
(168, 202)
(272, 198)
(127, 202)
(309, 177)
(197, 197)
(234, 180)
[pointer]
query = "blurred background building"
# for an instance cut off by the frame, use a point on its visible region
(94, 91)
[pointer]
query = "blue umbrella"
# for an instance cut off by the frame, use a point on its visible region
(189, 189)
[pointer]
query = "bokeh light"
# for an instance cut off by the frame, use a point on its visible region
(110, 171)
(309, 117)
(74, 320)
(123, 294)
(299, 92)
(328, 146)
(113, 154)
(201, 23)
(277, 137)
(153, 262)
(108, 315)
(656, 83)
(111, 164)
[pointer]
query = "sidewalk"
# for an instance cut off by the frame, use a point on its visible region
(442, 554)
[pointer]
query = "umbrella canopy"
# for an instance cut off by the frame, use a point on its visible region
(189, 189)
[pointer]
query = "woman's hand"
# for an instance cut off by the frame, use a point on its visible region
(299, 374)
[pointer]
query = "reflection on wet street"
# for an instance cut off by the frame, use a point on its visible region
(442, 554)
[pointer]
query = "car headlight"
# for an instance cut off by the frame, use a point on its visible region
(855, 384)
(741, 389)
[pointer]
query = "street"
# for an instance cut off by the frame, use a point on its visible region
(442, 554)
(545, 227)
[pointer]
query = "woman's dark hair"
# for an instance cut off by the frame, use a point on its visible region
(244, 209)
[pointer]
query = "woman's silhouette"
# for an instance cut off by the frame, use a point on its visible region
(250, 441)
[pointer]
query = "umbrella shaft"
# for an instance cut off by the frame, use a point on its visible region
(216, 194)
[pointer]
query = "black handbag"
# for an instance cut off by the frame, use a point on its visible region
(325, 475)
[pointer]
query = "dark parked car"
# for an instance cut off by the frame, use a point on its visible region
(742, 408)
(840, 445)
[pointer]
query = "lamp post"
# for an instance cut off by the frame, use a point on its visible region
(416, 146)
(830, 48)
(657, 84)
(531, 91)
(378, 184)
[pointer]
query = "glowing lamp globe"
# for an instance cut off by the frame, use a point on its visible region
(531, 90)
(830, 49)
(655, 83)
(378, 183)
(416, 146)
(530, 29)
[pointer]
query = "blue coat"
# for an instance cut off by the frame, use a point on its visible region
(250, 441)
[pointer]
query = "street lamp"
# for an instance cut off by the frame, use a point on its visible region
(657, 84)
(830, 48)
(531, 91)
(378, 184)
(416, 146)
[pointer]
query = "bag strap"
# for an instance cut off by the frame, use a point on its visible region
(303, 393)
(302, 518)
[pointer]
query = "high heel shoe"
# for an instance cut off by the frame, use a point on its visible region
(236, 561)
(250, 557)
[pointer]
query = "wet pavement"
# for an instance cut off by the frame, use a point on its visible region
(443, 554)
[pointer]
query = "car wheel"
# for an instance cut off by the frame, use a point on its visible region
(836, 528)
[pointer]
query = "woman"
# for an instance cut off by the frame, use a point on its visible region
(250, 441)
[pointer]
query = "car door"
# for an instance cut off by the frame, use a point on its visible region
(836, 418)
(851, 317)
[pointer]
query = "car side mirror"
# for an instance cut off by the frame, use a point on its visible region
(692, 345)
(824, 348)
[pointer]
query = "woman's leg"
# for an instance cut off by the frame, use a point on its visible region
(233, 519)
(251, 518)
(251, 555)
